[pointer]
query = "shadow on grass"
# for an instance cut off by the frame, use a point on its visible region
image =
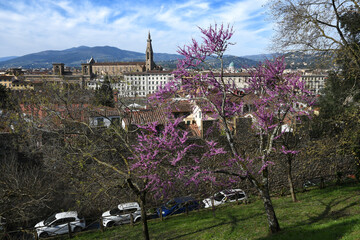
(333, 232)
(328, 213)
(233, 223)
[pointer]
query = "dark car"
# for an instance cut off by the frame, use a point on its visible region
(178, 205)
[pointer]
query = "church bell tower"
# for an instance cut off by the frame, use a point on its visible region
(150, 65)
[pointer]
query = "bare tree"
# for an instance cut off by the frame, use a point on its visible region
(313, 25)
(25, 189)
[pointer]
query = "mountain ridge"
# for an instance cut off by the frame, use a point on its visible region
(73, 57)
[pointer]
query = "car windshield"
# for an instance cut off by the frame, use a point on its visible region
(50, 219)
(170, 204)
(115, 211)
(241, 195)
(218, 197)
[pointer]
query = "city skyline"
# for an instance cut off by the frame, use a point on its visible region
(29, 26)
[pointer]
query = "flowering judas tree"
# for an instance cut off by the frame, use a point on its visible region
(277, 112)
(161, 158)
(274, 96)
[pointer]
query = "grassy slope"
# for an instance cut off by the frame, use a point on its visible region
(330, 213)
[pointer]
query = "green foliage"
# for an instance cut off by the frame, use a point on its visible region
(339, 104)
(350, 22)
(104, 95)
(350, 139)
(334, 94)
(4, 97)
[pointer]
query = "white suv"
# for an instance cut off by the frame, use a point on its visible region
(58, 224)
(121, 214)
(230, 195)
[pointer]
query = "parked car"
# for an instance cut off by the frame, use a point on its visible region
(178, 205)
(121, 214)
(152, 213)
(58, 224)
(230, 195)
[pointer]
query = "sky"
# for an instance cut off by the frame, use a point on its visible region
(29, 26)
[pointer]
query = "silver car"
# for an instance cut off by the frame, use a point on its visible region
(59, 223)
(121, 214)
(229, 195)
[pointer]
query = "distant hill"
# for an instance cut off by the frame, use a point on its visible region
(298, 60)
(262, 57)
(77, 55)
(73, 57)
(301, 60)
(239, 62)
(7, 58)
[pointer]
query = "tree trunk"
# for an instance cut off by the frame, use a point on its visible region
(262, 188)
(143, 217)
(274, 226)
(291, 185)
(269, 209)
(142, 199)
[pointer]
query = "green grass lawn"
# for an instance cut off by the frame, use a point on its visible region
(330, 213)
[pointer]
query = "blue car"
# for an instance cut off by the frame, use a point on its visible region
(178, 205)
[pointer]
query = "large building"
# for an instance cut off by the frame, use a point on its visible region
(93, 72)
(130, 79)
(314, 79)
(117, 69)
(140, 84)
(315, 82)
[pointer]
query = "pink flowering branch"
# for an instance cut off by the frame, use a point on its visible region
(276, 95)
(164, 157)
(285, 151)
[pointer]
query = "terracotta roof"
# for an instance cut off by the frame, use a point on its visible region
(104, 112)
(204, 105)
(146, 116)
(77, 112)
(181, 106)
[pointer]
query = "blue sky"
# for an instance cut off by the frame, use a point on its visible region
(28, 26)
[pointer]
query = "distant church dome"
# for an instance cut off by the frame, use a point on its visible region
(231, 67)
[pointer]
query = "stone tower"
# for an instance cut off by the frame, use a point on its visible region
(86, 68)
(150, 65)
(58, 69)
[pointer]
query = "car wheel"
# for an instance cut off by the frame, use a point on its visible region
(44, 235)
(110, 224)
(77, 229)
(138, 219)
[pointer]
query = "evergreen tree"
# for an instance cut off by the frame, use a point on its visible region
(104, 95)
(4, 97)
(339, 104)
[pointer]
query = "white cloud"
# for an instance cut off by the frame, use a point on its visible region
(37, 25)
